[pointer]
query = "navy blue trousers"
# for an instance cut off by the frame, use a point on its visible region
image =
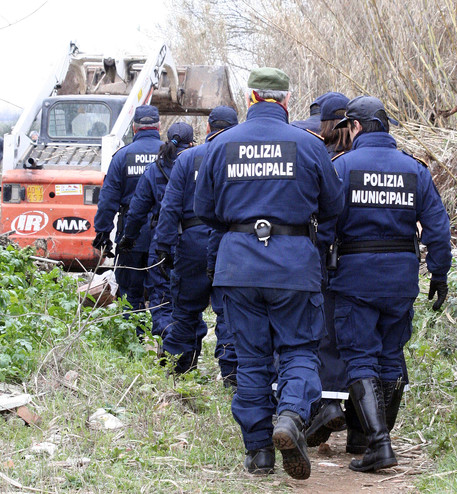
(191, 291)
(160, 301)
(371, 333)
(332, 371)
(264, 321)
(131, 281)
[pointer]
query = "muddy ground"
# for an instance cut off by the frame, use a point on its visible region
(330, 473)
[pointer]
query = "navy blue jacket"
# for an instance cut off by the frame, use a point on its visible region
(147, 198)
(387, 192)
(265, 168)
(124, 172)
(178, 202)
(311, 123)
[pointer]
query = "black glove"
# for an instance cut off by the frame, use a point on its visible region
(166, 264)
(439, 287)
(103, 242)
(210, 274)
(125, 244)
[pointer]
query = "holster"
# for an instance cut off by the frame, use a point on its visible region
(123, 210)
(416, 245)
(332, 257)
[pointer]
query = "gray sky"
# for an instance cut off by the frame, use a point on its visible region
(35, 33)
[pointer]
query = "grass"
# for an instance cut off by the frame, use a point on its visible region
(430, 414)
(179, 434)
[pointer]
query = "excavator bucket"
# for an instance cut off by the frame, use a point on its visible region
(200, 89)
(186, 90)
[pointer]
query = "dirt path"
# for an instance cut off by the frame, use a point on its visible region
(330, 473)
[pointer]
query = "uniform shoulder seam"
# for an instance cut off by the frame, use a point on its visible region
(211, 137)
(120, 149)
(314, 134)
(419, 160)
(338, 155)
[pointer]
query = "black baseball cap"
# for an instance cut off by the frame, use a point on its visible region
(146, 114)
(364, 109)
(332, 104)
(181, 132)
(315, 106)
(223, 114)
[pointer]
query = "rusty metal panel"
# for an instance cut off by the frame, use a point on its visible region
(201, 88)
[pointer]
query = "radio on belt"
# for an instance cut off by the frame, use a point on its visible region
(262, 229)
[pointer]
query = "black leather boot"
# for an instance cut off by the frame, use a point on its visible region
(187, 362)
(393, 391)
(356, 442)
(368, 400)
(329, 418)
(289, 438)
(260, 461)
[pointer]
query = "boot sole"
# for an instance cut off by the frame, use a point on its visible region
(314, 438)
(320, 436)
(337, 424)
(261, 471)
(295, 462)
(379, 465)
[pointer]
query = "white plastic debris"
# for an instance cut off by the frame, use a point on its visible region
(44, 447)
(101, 419)
(10, 401)
(328, 464)
(108, 277)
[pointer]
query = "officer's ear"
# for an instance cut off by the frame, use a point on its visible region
(249, 101)
(208, 128)
(158, 126)
(354, 128)
(285, 103)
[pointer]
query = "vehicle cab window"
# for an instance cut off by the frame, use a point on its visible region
(79, 120)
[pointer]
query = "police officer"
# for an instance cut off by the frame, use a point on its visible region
(332, 372)
(190, 286)
(146, 200)
(313, 122)
(124, 172)
(263, 182)
(376, 283)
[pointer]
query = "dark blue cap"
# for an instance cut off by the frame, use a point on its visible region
(335, 103)
(319, 101)
(223, 114)
(146, 114)
(363, 109)
(181, 132)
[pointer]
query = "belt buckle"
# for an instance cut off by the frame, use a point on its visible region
(262, 229)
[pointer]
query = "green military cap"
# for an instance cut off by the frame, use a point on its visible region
(268, 78)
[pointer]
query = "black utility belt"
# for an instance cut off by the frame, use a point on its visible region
(377, 247)
(190, 222)
(263, 230)
(293, 230)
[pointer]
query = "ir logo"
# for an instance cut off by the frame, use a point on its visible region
(30, 222)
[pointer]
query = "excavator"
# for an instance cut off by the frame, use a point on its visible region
(51, 185)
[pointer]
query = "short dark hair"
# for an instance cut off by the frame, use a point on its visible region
(380, 125)
(219, 125)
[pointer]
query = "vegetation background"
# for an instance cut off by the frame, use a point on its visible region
(179, 434)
